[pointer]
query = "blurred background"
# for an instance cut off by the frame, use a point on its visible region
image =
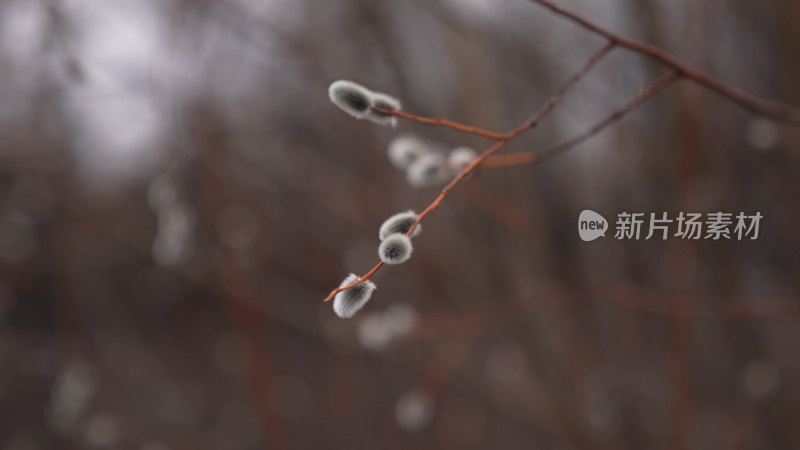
(178, 195)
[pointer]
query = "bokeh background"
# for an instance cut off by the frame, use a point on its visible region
(178, 195)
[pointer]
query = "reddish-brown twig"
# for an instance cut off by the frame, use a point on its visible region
(510, 159)
(544, 111)
(514, 159)
(551, 103)
(777, 111)
(443, 123)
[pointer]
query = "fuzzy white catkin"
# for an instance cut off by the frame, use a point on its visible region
(395, 249)
(399, 223)
(405, 149)
(460, 158)
(427, 170)
(350, 301)
(351, 98)
(383, 101)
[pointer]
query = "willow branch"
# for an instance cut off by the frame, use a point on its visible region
(553, 101)
(544, 111)
(777, 111)
(510, 159)
(515, 159)
(502, 140)
(442, 123)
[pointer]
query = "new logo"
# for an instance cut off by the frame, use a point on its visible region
(591, 225)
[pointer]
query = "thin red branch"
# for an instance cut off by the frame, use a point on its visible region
(510, 159)
(544, 111)
(514, 159)
(777, 111)
(443, 123)
(553, 101)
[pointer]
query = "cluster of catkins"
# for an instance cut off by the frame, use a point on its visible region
(425, 165)
(358, 101)
(395, 248)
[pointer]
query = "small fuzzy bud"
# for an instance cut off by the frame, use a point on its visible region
(351, 98)
(460, 158)
(395, 249)
(405, 149)
(399, 223)
(348, 302)
(383, 101)
(427, 170)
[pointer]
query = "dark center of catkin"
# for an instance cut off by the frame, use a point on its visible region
(430, 171)
(394, 251)
(358, 101)
(403, 226)
(355, 292)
